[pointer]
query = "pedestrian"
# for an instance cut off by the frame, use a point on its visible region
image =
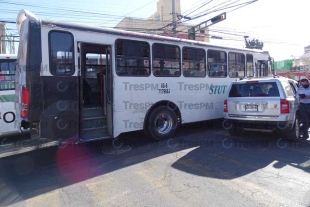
(304, 105)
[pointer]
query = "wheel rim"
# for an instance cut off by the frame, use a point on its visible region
(163, 123)
(297, 128)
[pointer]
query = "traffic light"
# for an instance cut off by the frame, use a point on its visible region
(191, 33)
(218, 18)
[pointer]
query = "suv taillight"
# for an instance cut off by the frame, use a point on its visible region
(225, 106)
(284, 106)
(24, 103)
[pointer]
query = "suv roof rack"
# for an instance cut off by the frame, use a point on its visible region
(271, 76)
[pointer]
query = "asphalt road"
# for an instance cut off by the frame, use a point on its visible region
(201, 166)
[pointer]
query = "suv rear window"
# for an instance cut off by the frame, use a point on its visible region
(254, 89)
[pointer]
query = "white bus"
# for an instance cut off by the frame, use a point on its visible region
(135, 82)
(7, 93)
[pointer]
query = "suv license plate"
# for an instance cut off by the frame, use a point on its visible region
(251, 107)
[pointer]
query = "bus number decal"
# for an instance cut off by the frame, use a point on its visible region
(164, 89)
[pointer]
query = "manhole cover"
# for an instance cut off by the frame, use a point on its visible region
(115, 150)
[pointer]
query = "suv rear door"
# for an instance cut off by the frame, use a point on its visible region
(254, 98)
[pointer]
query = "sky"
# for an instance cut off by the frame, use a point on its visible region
(280, 24)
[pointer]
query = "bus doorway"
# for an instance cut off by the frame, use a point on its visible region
(95, 92)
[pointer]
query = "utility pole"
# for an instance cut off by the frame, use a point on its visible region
(174, 19)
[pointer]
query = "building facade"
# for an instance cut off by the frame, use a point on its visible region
(296, 68)
(157, 23)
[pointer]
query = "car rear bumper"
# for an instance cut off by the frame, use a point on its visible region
(276, 123)
(243, 117)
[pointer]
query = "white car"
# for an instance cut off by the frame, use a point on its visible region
(263, 104)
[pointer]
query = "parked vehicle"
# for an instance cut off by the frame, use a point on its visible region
(263, 104)
(131, 88)
(7, 94)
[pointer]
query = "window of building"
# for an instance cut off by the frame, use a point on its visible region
(132, 58)
(194, 62)
(61, 47)
(7, 74)
(249, 66)
(217, 64)
(236, 64)
(166, 60)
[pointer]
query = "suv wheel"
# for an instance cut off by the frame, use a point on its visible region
(294, 133)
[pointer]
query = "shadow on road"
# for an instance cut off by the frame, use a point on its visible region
(32, 174)
(239, 156)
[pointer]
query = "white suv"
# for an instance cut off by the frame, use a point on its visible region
(263, 104)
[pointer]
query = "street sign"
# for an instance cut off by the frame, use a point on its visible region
(218, 18)
(210, 22)
(204, 25)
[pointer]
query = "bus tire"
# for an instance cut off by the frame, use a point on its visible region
(161, 123)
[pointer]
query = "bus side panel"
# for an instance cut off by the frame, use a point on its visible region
(34, 60)
(198, 99)
(7, 112)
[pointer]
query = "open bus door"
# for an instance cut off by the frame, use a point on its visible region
(95, 92)
(109, 92)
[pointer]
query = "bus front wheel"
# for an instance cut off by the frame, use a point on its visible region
(161, 123)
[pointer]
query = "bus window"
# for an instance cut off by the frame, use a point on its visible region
(7, 74)
(194, 62)
(236, 64)
(249, 66)
(217, 64)
(166, 60)
(132, 58)
(61, 53)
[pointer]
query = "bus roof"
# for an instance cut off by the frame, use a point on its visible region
(82, 27)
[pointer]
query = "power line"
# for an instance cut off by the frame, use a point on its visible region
(8, 22)
(195, 17)
(218, 6)
(109, 16)
(247, 3)
(139, 8)
(193, 7)
(240, 7)
(68, 10)
(199, 7)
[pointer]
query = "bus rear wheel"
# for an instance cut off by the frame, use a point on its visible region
(161, 123)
